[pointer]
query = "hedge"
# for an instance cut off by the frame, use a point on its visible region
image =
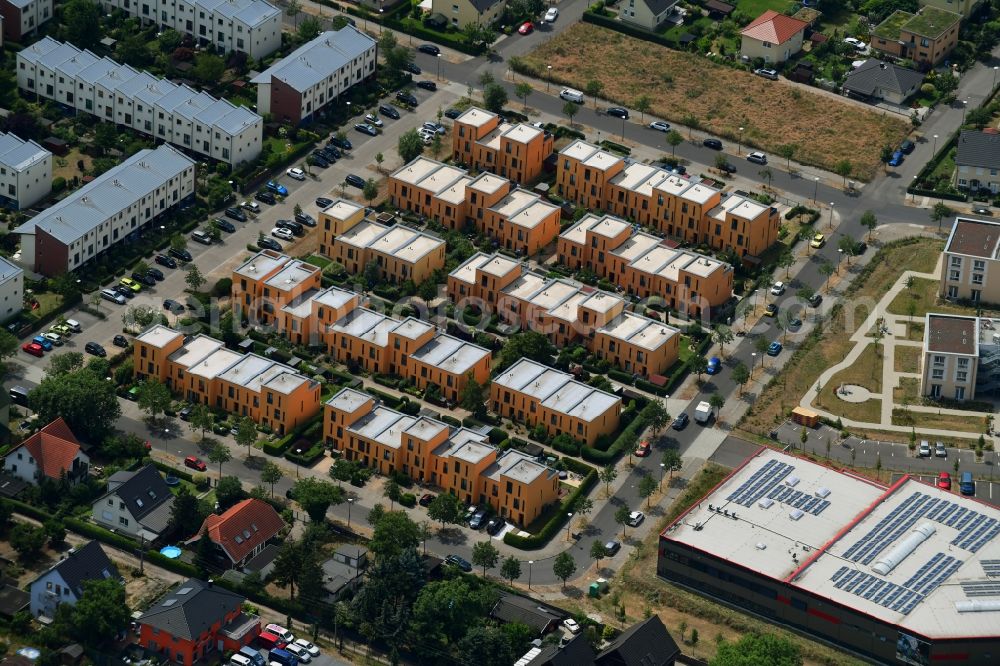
(497, 435)
(306, 458)
(620, 376)
(451, 420)
(386, 380)
(627, 29)
(626, 440)
(172, 471)
(390, 401)
(558, 521)
(409, 500)
(577, 467)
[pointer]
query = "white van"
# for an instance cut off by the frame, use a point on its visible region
(571, 95)
(239, 660)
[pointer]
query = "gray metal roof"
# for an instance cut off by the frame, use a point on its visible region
(874, 74)
(191, 609)
(978, 149)
(250, 12)
(8, 269)
(109, 194)
(18, 154)
(311, 63)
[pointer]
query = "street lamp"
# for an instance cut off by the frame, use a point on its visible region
(438, 58)
(663, 468)
(348, 109)
(166, 434)
(934, 151)
(831, 214)
(623, 128)
(569, 523)
(298, 452)
(753, 363)
(840, 257)
(995, 76)
(350, 502)
(913, 195)
(380, 19)
(530, 562)
(739, 144)
(548, 81)
(815, 188)
(965, 105)
(755, 293)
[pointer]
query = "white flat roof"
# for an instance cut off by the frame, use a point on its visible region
(215, 363)
(261, 264)
(451, 354)
(636, 245)
(341, 209)
(362, 234)
(522, 133)
(412, 328)
(383, 425)
(158, 335)
(911, 555)
(556, 390)
(699, 193)
(194, 350)
(488, 182)
(292, 275)
(348, 400)
(524, 286)
(476, 116)
(639, 331)
(416, 170)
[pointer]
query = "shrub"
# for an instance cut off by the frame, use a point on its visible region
(409, 500)
(222, 288)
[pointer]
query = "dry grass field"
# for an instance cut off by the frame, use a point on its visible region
(680, 85)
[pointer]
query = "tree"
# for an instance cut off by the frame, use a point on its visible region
(293, 9)
(786, 260)
(607, 475)
(761, 344)
(64, 362)
(8, 345)
(194, 279)
(229, 491)
(843, 169)
(204, 553)
(375, 514)
(717, 402)
(271, 474)
(766, 174)
(208, 68)
(473, 395)
(371, 273)
(741, 375)
(494, 97)
(594, 88)
(81, 22)
(885, 155)
(186, 513)
(869, 222)
(153, 398)
(437, 145)
(288, 566)
(597, 551)
(939, 212)
(202, 418)
(370, 191)
(563, 567)
(246, 433)
(485, 555)
(658, 417)
(220, 454)
(826, 269)
(699, 364)
(722, 162)
(55, 531)
(978, 118)
(27, 540)
(410, 146)
(392, 492)
(647, 486)
(315, 496)
(86, 401)
(510, 569)
(445, 508)
(526, 344)
(139, 317)
(671, 461)
(621, 517)
(758, 649)
(847, 247)
(379, 158)
(583, 507)
(522, 90)
(570, 109)
(674, 139)
(787, 151)
(642, 104)
(393, 534)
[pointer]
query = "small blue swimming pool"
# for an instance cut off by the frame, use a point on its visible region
(173, 552)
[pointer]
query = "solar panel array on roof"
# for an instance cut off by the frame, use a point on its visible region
(761, 482)
(877, 590)
(981, 588)
(991, 567)
(799, 499)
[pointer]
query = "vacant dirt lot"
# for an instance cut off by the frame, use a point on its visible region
(722, 100)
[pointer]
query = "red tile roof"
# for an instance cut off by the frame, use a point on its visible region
(773, 27)
(54, 448)
(242, 528)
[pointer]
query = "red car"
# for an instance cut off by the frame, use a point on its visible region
(195, 463)
(33, 348)
(944, 481)
(526, 28)
(643, 450)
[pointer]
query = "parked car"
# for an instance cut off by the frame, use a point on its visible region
(306, 219)
(727, 167)
(61, 329)
(42, 342)
(53, 338)
(766, 73)
(266, 197)
(236, 214)
(643, 449)
(95, 349)
(277, 188)
(124, 291)
(113, 296)
(434, 127)
(328, 153)
(144, 279)
(194, 462)
(856, 43)
(494, 526)
(944, 481)
(966, 485)
(452, 113)
(131, 284)
(939, 450)
(342, 143)
(815, 300)
(225, 225)
(307, 646)
(323, 202)
(572, 625)
(757, 157)
(119, 341)
(389, 111)
(299, 653)
(612, 547)
(659, 125)
(172, 306)
(202, 237)
(296, 173)
(372, 119)
(618, 112)
(427, 85)
(354, 180)
(982, 211)
(292, 226)
(365, 128)
(458, 561)
(635, 518)
(778, 288)
(181, 253)
(318, 158)
(526, 28)
(478, 519)
(164, 260)
(924, 450)
(33, 348)
(774, 348)
(429, 49)
(771, 310)
(551, 15)
(680, 422)
(412, 68)
(406, 98)
(714, 144)
(896, 159)
(907, 146)
(282, 233)
(426, 499)
(266, 243)
(714, 366)
(818, 241)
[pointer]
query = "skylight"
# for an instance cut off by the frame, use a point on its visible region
(184, 590)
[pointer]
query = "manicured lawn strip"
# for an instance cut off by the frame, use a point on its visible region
(867, 372)
(684, 86)
(907, 359)
(940, 421)
(924, 296)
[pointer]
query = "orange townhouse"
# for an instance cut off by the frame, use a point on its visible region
(638, 344)
(399, 252)
(202, 370)
(588, 244)
(515, 151)
(522, 222)
(689, 283)
(742, 226)
(335, 220)
(306, 321)
(481, 194)
(268, 281)
(583, 171)
(630, 193)
(194, 621)
(458, 460)
(414, 186)
(532, 393)
(481, 278)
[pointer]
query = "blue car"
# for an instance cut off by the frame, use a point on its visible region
(42, 342)
(896, 159)
(277, 188)
(774, 348)
(714, 366)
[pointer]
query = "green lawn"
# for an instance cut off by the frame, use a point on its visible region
(755, 8)
(316, 260)
(924, 296)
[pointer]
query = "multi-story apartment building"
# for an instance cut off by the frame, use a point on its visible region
(533, 393)
(111, 208)
(971, 262)
(249, 26)
(520, 221)
(202, 370)
(516, 152)
(925, 37)
(191, 120)
(399, 252)
(954, 346)
(481, 278)
(267, 282)
(22, 17)
(25, 172)
(677, 206)
(315, 74)
(646, 265)
(458, 460)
